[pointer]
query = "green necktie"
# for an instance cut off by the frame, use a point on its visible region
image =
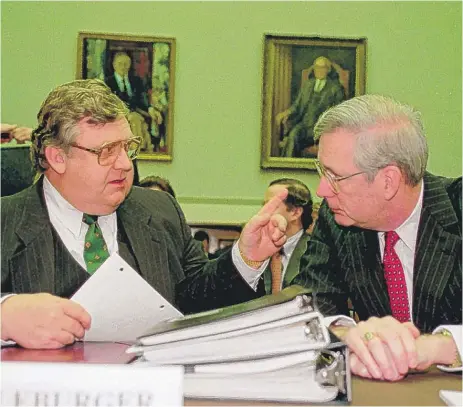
(95, 249)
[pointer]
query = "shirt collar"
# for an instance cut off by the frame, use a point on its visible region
(291, 243)
(408, 230)
(62, 210)
(120, 78)
(69, 216)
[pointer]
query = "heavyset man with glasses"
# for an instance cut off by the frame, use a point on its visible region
(389, 237)
(83, 209)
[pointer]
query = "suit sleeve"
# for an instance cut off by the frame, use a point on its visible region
(320, 267)
(207, 284)
(9, 209)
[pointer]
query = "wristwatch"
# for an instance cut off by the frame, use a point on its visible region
(255, 264)
(457, 361)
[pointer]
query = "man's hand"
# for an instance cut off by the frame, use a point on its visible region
(20, 134)
(431, 350)
(7, 131)
(385, 347)
(43, 321)
(264, 234)
(435, 349)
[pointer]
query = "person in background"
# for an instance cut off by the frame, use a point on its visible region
(14, 132)
(158, 184)
(203, 237)
(284, 265)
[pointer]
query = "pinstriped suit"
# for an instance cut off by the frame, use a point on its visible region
(154, 226)
(345, 262)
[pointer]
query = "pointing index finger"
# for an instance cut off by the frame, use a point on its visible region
(271, 206)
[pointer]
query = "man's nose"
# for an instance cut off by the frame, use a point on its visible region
(123, 161)
(324, 188)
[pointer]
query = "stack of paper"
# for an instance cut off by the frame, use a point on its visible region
(121, 303)
(244, 351)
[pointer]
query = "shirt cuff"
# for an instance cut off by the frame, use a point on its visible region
(339, 320)
(457, 335)
(250, 275)
(2, 342)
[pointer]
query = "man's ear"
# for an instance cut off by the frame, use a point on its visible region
(56, 158)
(297, 212)
(392, 179)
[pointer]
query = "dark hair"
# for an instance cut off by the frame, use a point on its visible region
(299, 196)
(201, 235)
(159, 182)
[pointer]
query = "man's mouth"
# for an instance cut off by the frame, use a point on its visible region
(117, 181)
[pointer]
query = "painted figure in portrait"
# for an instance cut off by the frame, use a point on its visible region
(302, 78)
(139, 73)
(320, 91)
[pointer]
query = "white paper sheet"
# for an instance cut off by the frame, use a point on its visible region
(80, 384)
(121, 303)
(452, 398)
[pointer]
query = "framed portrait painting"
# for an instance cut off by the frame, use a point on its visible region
(140, 70)
(302, 78)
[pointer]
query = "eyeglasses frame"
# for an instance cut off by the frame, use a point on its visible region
(98, 151)
(333, 179)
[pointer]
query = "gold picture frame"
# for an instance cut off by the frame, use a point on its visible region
(293, 68)
(148, 66)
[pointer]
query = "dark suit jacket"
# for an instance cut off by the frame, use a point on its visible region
(137, 100)
(345, 262)
(304, 108)
(156, 230)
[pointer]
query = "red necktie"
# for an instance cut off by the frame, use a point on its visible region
(276, 268)
(395, 279)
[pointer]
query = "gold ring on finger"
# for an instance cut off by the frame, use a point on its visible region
(368, 336)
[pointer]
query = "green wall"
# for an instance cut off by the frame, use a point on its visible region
(414, 53)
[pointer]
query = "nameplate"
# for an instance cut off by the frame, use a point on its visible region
(67, 384)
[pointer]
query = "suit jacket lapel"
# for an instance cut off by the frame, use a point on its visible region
(145, 242)
(293, 266)
(292, 270)
(366, 276)
(33, 229)
(438, 241)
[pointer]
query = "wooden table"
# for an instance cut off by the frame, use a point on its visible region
(421, 389)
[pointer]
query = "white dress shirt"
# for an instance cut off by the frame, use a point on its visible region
(67, 222)
(252, 276)
(319, 85)
(405, 246)
(123, 83)
(405, 249)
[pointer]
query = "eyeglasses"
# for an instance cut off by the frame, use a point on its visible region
(332, 179)
(108, 152)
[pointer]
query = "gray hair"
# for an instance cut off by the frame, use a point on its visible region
(387, 132)
(64, 108)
